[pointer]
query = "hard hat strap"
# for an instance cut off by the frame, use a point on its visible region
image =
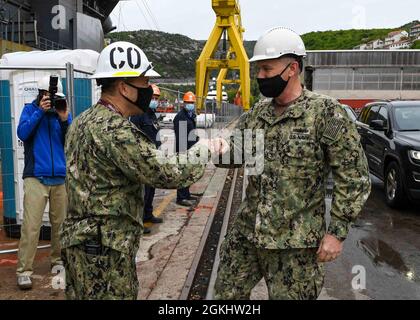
(147, 69)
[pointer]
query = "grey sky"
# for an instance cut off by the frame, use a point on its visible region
(195, 18)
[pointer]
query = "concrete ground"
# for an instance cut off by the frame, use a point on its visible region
(381, 257)
(383, 244)
(166, 255)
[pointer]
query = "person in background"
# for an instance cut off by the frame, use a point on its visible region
(185, 138)
(148, 123)
(42, 128)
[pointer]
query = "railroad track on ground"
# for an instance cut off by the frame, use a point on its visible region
(202, 276)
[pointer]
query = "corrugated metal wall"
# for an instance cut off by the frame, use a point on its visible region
(356, 58)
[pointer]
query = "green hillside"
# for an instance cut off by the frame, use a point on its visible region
(342, 39)
(416, 45)
(173, 55)
(347, 39)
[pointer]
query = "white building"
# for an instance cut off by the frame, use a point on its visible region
(360, 47)
(375, 44)
(395, 36)
(415, 31)
(400, 45)
(372, 45)
(378, 44)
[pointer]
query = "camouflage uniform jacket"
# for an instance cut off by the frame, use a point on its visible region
(108, 162)
(284, 205)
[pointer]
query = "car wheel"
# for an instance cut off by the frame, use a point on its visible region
(394, 187)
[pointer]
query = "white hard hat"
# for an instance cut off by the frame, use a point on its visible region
(44, 84)
(123, 60)
(276, 43)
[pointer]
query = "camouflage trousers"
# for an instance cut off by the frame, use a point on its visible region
(111, 276)
(290, 274)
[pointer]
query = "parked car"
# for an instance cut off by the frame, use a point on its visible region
(350, 112)
(390, 135)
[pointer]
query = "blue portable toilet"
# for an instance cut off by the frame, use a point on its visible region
(18, 85)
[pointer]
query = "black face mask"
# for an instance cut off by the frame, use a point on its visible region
(273, 87)
(144, 96)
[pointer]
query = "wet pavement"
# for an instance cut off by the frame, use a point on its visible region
(383, 245)
(386, 243)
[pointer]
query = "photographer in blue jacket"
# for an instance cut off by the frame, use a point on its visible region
(42, 128)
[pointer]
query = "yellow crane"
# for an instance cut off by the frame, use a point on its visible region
(228, 22)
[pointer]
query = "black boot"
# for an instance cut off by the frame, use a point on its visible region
(153, 219)
(185, 203)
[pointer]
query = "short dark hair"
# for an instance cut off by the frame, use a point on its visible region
(107, 85)
(298, 59)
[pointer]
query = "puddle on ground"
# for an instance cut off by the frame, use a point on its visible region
(383, 255)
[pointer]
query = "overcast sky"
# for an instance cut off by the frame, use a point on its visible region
(195, 18)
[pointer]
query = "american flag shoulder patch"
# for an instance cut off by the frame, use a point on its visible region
(333, 129)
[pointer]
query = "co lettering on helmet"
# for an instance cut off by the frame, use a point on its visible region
(123, 60)
(124, 57)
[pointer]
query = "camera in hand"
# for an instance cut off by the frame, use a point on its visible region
(58, 102)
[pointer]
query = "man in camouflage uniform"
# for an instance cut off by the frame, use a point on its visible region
(280, 232)
(108, 162)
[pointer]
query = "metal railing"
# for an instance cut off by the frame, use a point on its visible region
(46, 44)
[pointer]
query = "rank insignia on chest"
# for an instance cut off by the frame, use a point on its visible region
(300, 133)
